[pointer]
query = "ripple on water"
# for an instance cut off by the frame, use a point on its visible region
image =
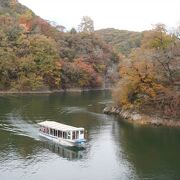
(73, 109)
(105, 102)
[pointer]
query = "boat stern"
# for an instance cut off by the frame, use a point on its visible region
(80, 142)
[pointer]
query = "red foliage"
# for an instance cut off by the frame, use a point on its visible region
(80, 74)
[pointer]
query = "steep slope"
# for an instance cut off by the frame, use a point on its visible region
(12, 8)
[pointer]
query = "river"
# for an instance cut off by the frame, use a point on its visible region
(115, 150)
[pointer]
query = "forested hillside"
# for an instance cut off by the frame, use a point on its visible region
(123, 41)
(34, 55)
(150, 76)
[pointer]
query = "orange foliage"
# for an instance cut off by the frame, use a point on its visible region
(83, 66)
(25, 22)
(139, 81)
(149, 77)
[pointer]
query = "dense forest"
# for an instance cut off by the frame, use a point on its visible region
(122, 41)
(150, 75)
(37, 55)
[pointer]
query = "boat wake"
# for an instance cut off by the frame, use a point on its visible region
(19, 126)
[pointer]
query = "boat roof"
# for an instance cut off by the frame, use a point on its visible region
(59, 126)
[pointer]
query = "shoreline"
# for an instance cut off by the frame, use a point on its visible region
(78, 90)
(139, 118)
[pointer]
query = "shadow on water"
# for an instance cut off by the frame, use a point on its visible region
(152, 151)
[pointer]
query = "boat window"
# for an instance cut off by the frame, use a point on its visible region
(56, 133)
(81, 132)
(59, 133)
(73, 135)
(64, 135)
(77, 134)
(51, 131)
(47, 130)
(69, 135)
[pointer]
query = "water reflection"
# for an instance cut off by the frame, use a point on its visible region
(115, 150)
(151, 151)
(69, 153)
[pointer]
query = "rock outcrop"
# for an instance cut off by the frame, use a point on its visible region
(138, 118)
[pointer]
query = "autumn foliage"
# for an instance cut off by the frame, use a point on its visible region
(78, 73)
(36, 54)
(150, 75)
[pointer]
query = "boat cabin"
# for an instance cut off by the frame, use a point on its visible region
(58, 130)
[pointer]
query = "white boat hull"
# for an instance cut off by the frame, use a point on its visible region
(63, 142)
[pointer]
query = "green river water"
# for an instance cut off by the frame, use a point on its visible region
(114, 151)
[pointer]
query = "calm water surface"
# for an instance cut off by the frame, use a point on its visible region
(115, 150)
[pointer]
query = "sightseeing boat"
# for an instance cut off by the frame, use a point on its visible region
(62, 134)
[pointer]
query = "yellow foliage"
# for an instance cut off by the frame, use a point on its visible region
(138, 81)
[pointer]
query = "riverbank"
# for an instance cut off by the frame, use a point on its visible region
(54, 91)
(139, 118)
